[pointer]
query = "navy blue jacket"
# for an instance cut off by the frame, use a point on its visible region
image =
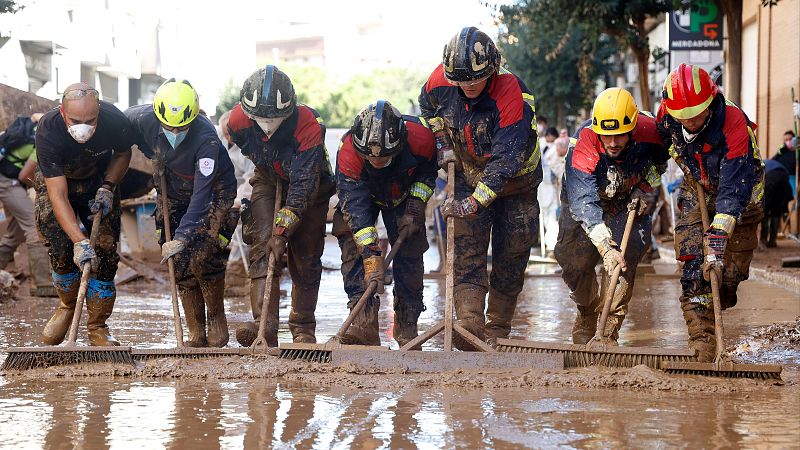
(198, 171)
(724, 158)
(494, 135)
(363, 189)
(295, 153)
(596, 183)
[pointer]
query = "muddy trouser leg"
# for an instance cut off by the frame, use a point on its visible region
(739, 254)
(696, 302)
(408, 275)
(208, 267)
(578, 257)
(19, 209)
(471, 278)
(305, 267)
(257, 222)
(101, 294)
(364, 329)
(638, 244)
(515, 228)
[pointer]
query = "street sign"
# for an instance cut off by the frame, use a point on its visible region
(697, 29)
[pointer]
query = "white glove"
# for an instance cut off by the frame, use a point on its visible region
(796, 109)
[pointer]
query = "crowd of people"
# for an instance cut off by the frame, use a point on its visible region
(518, 183)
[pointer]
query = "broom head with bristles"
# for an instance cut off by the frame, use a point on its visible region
(25, 358)
(726, 369)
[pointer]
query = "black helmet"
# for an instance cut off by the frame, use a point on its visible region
(378, 130)
(269, 93)
(470, 55)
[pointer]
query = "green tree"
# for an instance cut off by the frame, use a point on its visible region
(560, 69)
(7, 6)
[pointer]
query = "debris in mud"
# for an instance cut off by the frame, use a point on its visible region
(8, 286)
(778, 343)
(639, 378)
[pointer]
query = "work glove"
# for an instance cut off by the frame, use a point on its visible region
(466, 208)
(444, 145)
(796, 109)
(373, 271)
(714, 242)
(102, 202)
(171, 248)
(638, 202)
(600, 235)
(286, 222)
(277, 245)
(413, 220)
(82, 252)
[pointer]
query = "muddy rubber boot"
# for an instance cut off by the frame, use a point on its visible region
(302, 323)
(727, 295)
(700, 325)
(217, 323)
(499, 313)
(100, 298)
(469, 304)
(247, 332)
(364, 329)
(585, 326)
(195, 315)
(6, 255)
(405, 323)
(39, 261)
(67, 288)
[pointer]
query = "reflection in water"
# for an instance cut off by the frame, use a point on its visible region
(104, 413)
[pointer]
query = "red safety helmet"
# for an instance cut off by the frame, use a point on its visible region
(688, 91)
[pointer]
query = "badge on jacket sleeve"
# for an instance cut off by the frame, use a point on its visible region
(206, 166)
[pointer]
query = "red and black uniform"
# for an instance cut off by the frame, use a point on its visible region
(495, 142)
(365, 191)
(597, 190)
(294, 156)
(724, 158)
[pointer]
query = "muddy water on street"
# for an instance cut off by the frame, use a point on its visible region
(322, 410)
(94, 413)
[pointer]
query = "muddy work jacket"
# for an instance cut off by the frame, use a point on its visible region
(494, 135)
(364, 190)
(197, 172)
(723, 157)
(295, 153)
(595, 183)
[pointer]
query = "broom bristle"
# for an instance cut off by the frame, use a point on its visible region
(321, 356)
(725, 369)
(39, 359)
(608, 358)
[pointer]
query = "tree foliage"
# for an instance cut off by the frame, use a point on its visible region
(339, 102)
(560, 66)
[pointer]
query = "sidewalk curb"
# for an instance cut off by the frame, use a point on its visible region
(781, 279)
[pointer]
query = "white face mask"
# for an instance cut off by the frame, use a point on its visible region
(269, 126)
(689, 137)
(81, 132)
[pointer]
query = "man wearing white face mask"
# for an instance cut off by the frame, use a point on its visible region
(83, 149)
(200, 190)
(285, 141)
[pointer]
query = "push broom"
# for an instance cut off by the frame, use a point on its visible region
(722, 366)
(24, 358)
(599, 351)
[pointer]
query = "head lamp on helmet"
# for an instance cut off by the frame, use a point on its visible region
(268, 92)
(470, 56)
(614, 112)
(378, 130)
(176, 103)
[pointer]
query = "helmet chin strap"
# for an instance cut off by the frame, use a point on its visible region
(688, 136)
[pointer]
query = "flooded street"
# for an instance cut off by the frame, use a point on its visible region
(264, 402)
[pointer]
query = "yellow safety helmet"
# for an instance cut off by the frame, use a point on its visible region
(614, 112)
(176, 103)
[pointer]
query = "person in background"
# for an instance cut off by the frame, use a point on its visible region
(547, 194)
(17, 152)
(777, 195)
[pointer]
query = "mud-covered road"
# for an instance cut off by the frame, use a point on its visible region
(262, 402)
